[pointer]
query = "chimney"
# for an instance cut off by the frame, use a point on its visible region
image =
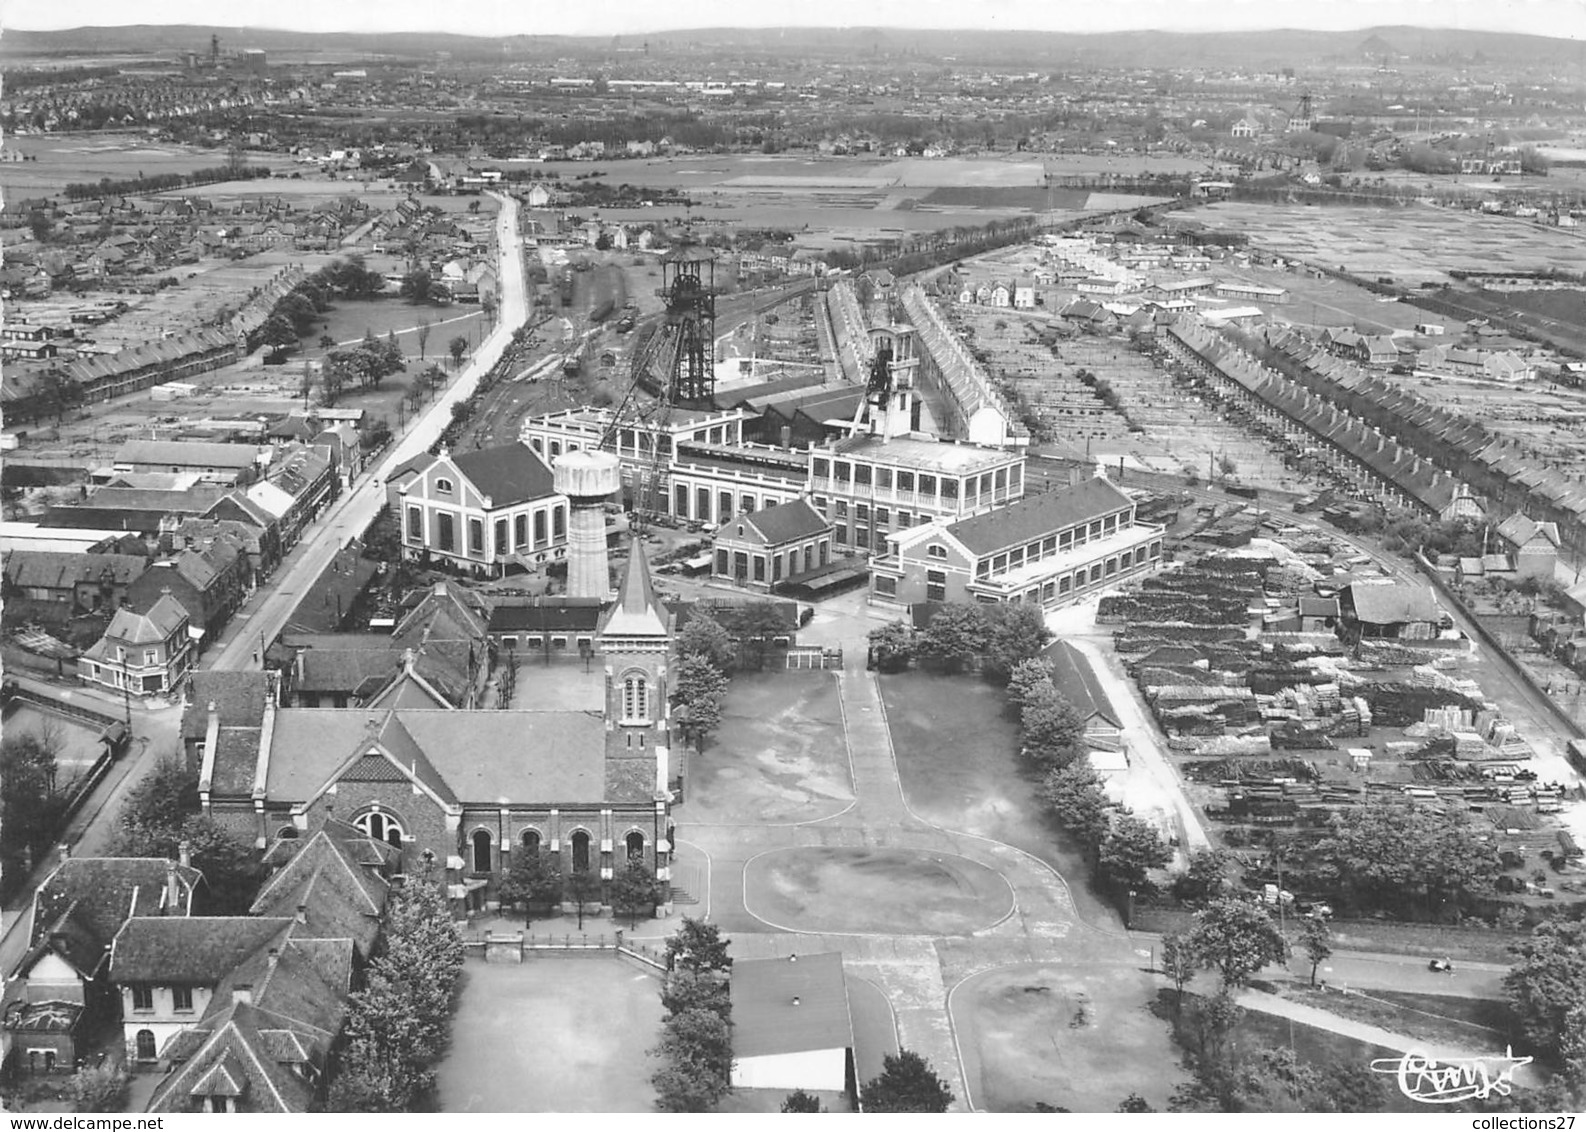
(302, 914)
(793, 958)
(787, 437)
(795, 1000)
(184, 853)
(173, 889)
(273, 957)
(242, 992)
(66, 852)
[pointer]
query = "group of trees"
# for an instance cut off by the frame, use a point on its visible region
(1122, 847)
(1379, 856)
(1002, 636)
(161, 816)
(695, 1049)
(536, 881)
(706, 657)
(363, 366)
(32, 805)
(397, 1025)
(161, 182)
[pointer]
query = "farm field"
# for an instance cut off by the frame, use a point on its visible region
(63, 159)
(1412, 245)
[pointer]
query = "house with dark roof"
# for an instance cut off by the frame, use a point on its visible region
(791, 1025)
(762, 549)
(61, 986)
(1075, 678)
(1533, 546)
(1389, 610)
(244, 1058)
(1047, 550)
(209, 584)
(479, 512)
(442, 641)
(146, 654)
(69, 583)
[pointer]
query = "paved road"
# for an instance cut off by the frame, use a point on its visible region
(348, 518)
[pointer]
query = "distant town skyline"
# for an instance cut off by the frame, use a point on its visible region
(1565, 19)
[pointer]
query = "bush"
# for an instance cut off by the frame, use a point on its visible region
(102, 1089)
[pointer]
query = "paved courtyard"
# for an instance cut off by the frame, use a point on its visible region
(553, 1034)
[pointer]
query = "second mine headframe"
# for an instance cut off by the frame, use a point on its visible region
(688, 285)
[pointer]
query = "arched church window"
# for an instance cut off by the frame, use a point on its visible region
(580, 850)
(635, 844)
(635, 698)
(531, 842)
(481, 848)
(381, 827)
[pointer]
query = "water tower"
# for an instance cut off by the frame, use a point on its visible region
(588, 479)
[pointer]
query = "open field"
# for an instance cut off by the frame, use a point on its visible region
(778, 757)
(958, 761)
(1412, 245)
(1062, 1035)
(552, 1035)
(67, 158)
(874, 891)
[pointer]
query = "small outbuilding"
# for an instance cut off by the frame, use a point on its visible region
(791, 1024)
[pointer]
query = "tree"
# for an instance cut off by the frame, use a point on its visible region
(696, 1055)
(391, 356)
(1019, 634)
(1206, 876)
(954, 635)
(1024, 679)
(685, 989)
(58, 393)
(1238, 938)
(892, 646)
(634, 891)
(699, 690)
(533, 880)
(1129, 851)
(277, 333)
(416, 286)
(704, 637)
(1073, 793)
(1179, 963)
(102, 1088)
(697, 946)
(1053, 732)
(1546, 989)
(1317, 939)
(907, 1083)
(31, 810)
(1134, 1102)
(800, 1101)
(583, 887)
(423, 336)
(458, 347)
(1378, 854)
(326, 342)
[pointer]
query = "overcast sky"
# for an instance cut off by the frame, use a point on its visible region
(1561, 18)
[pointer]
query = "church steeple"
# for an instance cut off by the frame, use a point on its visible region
(636, 641)
(636, 612)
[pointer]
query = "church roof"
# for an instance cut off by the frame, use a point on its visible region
(636, 612)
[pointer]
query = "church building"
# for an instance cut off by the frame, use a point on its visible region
(469, 790)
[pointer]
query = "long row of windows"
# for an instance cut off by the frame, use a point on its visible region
(482, 858)
(1052, 544)
(546, 531)
(983, 487)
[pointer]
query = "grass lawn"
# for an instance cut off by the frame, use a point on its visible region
(552, 1035)
(1066, 1036)
(779, 755)
(957, 751)
(889, 891)
(348, 320)
(1470, 1023)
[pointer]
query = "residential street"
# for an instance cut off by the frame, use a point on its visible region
(352, 513)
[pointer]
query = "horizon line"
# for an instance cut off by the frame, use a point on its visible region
(776, 27)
